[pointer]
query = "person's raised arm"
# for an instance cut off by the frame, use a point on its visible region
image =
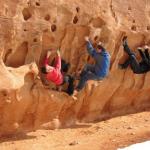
(48, 54)
(46, 59)
(58, 60)
(89, 46)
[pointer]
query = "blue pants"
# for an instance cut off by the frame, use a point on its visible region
(88, 73)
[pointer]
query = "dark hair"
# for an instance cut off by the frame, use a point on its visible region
(43, 70)
(100, 47)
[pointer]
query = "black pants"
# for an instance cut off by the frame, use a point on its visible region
(145, 58)
(69, 80)
(147, 54)
(138, 68)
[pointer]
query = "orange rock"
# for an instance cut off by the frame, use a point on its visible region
(29, 28)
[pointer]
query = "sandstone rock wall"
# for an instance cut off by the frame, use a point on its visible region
(28, 28)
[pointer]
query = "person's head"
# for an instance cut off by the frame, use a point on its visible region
(46, 69)
(99, 47)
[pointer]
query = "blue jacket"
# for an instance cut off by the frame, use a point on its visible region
(102, 60)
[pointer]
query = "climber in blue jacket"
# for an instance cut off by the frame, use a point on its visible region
(100, 69)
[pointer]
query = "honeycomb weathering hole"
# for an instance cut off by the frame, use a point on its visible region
(104, 11)
(133, 28)
(75, 19)
(77, 9)
(37, 4)
(129, 8)
(4, 92)
(26, 14)
(17, 58)
(133, 21)
(35, 40)
(47, 17)
(148, 27)
(53, 28)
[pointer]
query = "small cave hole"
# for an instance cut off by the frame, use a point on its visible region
(77, 9)
(4, 92)
(18, 58)
(47, 17)
(133, 28)
(148, 27)
(133, 21)
(75, 19)
(129, 8)
(35, 40)
(104, 11)
(37, 4)
(26, 14)
(53, 28)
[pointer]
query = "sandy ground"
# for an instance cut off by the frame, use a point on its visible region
(105, 135)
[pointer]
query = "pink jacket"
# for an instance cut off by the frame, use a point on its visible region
(55, 75)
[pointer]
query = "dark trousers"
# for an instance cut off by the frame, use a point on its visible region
(69, 80)
(132, 61)
(147, 54)
(88, 73)
(145, 58)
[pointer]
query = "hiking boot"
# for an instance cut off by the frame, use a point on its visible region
(74, 95)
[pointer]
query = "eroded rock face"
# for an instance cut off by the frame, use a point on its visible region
(28, 28)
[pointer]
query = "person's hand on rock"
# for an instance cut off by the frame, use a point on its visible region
(86, 38)
(146, 47)
(58, 52)
(100, 43)
(48, 53)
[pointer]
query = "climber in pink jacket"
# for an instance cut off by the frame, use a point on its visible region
(56, 74)
(53, 73)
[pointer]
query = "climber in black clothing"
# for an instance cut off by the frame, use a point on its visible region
(137, 67)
